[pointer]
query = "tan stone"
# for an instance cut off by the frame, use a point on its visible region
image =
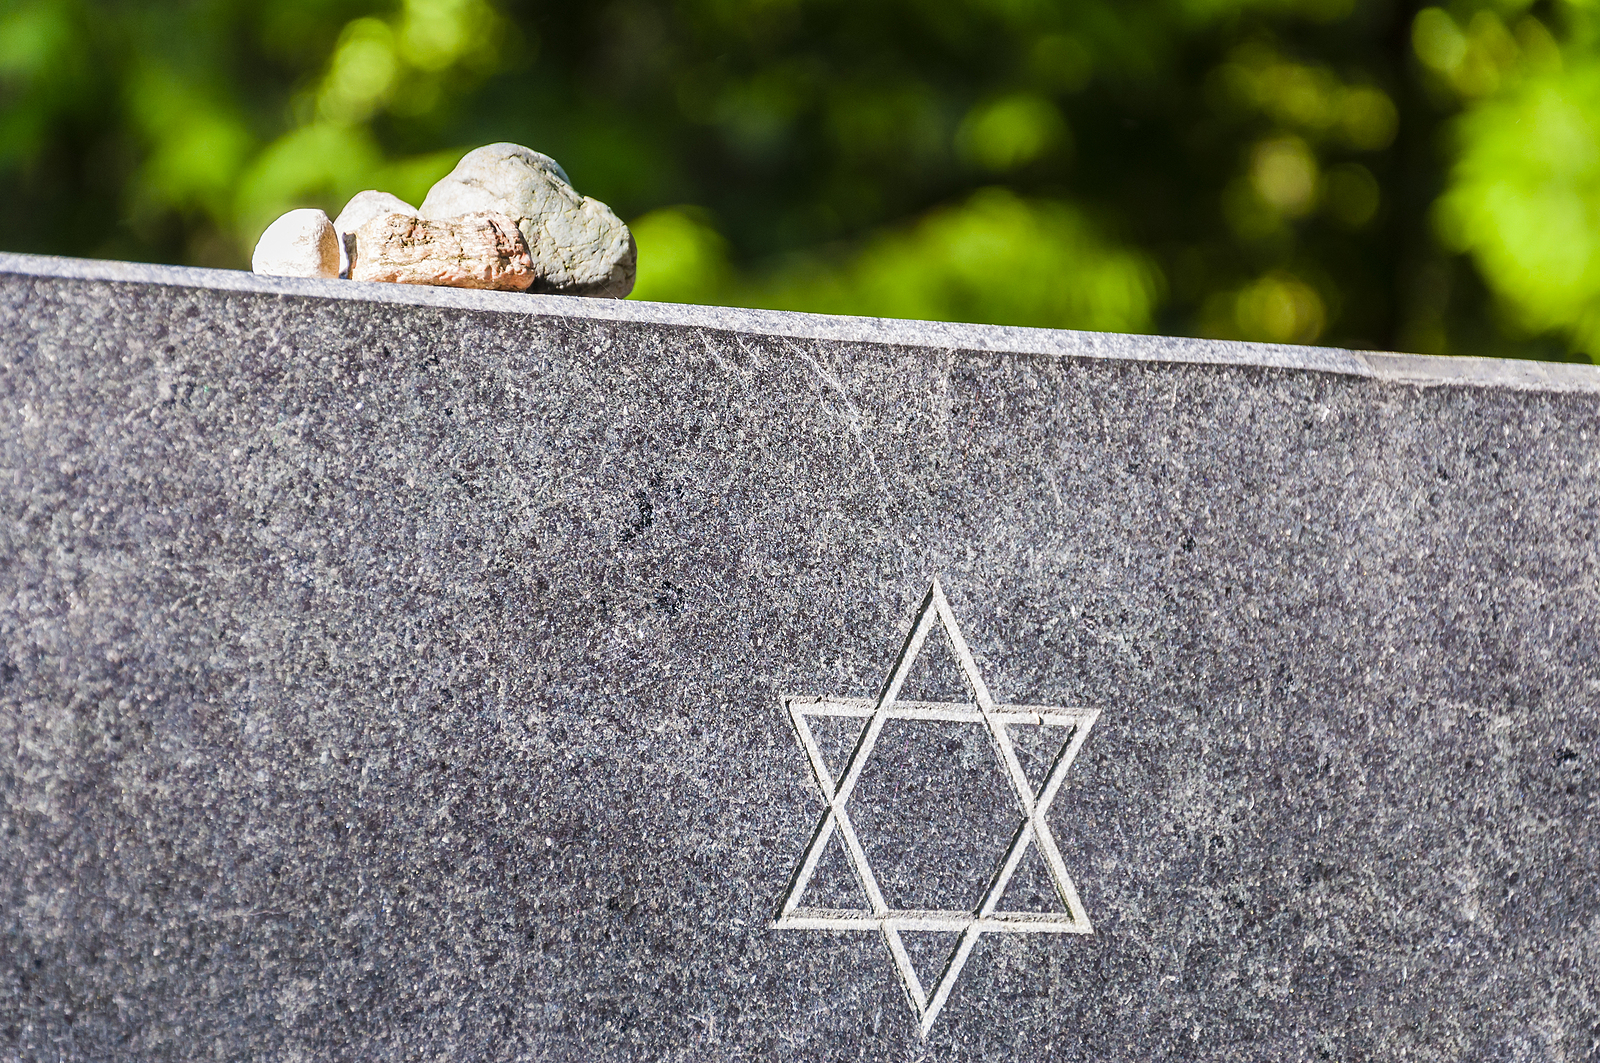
(362, 208)
(481, 250)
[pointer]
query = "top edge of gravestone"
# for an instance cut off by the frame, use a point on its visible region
(1415, 369)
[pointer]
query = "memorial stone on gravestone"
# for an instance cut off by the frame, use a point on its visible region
(405, 673)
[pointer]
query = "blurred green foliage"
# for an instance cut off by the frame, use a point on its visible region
(1339, 171)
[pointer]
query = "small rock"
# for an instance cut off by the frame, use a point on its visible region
(302, 243)
(579, 246)
(479, 250)
(362, 208)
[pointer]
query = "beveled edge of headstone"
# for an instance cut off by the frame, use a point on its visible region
(1415, 369)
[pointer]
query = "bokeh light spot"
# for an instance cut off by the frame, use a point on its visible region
(363, 71)
(1011, 132)
(1284, 174)
(682, 257)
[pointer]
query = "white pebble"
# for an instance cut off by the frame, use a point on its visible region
(302, 243)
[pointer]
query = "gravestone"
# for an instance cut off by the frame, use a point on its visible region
(408, 673)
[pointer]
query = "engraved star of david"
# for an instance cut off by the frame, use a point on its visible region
(926, 1002)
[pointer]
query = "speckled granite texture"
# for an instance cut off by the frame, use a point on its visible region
(395, 674)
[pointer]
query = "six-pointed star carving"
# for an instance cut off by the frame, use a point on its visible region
(1033, 830)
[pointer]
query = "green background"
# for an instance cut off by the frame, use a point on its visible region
(1333, 171)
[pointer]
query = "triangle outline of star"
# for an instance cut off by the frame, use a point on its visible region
(986, 918)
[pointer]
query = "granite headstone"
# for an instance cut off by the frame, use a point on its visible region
(393, 673)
